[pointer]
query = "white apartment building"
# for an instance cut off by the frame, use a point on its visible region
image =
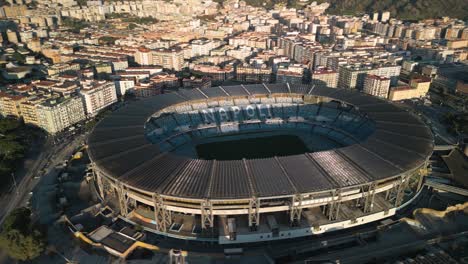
(385, 16)
(389, 71)
(124, 85)
(57, 114)
(202, 47)
(351, 77)
(376, 85)
(97, 96)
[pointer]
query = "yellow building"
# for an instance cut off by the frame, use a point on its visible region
(457, 44)
(62, 67)
(104, 68)
(418, 87)
(14, 10)
(9, 104)
(35, 45)
(53, 54)
(29, 111)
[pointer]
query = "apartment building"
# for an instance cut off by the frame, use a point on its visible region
(202, 47)
(293, 74)
(192, 82)
(376, 85)
(169, 58)
(352, 77)
(57, 114)
(216, 73)
(97, 96)
(10, 104)
(165, 80)
(254, 74)
(250, 39)
(325, 78)
(124, 85)
(417, 88)
(389, 71)
(144, 56)
(29, 111)
(62, 67)
(147, 89)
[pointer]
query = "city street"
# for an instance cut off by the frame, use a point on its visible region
(43, 164)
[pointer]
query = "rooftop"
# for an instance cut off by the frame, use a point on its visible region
(385, 153)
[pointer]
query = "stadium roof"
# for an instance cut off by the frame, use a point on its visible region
(119, 148)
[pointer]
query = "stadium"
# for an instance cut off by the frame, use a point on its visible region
(251, 163)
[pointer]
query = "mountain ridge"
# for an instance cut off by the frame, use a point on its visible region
(402, 9)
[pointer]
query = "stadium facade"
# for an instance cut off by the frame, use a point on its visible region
(144, 167)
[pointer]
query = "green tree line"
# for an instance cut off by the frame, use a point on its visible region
(15, 138)
(20, 238)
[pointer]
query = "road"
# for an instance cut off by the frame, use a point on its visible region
(44, 162)
(18, 194)
(387, 252)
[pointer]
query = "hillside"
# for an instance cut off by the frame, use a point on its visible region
(403, 9)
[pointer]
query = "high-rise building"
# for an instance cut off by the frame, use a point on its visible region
(325, 78)
(144, 56)
(390, 71)
(376, 85)
(375, 16)
(57, 114)
(13, 10)
(352, 77)
(202, 47)
(384, 16)
(12, 36)
(409, 66)
(97, 96)
(169, 58)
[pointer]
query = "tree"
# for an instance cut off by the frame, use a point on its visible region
(20, 238)
(82, 2)
(107, 40)
(7, 125)
(132, 26)
(10, 149)
(74, 25)
(15, 138)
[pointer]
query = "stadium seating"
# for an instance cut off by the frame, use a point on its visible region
(205, 119)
